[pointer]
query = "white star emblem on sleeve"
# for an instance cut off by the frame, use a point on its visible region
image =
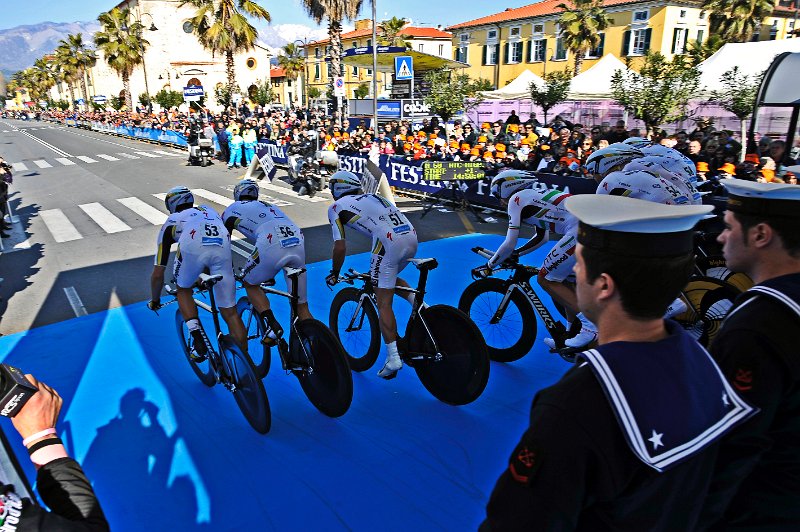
(725, 400)
(655, 439)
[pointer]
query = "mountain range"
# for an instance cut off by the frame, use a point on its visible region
(22, 45)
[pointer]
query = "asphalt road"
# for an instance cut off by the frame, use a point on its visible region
(89, 206)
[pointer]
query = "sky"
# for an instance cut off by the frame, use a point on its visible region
(421, 12)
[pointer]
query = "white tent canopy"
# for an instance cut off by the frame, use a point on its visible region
(517, 89)
(595, 83)
(752, 58)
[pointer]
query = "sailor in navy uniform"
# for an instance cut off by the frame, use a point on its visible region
(757, 481)
(627, 439)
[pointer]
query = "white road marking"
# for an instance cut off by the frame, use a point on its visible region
(85, 159)
(41, 163)
(46, 144)
(19, 167)
(106, 157)
(5, 131)
(147, 154)
(128, 155)
(170, 154)
(104, 218)
(65, 161)
(75, 301)
(149, 213)
(212, 196)
(59, 226)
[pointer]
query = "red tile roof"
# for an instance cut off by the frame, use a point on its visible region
(410, 32)
(547, 7)
(277, 73)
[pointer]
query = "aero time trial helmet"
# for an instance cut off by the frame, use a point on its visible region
(245, 189)
(508, 182)
(637, 142)
(615, 155)
(178, 196)
(343, 182)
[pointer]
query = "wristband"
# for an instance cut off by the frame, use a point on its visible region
(34, 437)
(44, 443)
(48, 454)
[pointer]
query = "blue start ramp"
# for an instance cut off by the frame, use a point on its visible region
(165, 452)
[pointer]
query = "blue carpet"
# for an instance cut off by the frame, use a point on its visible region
(167, 453)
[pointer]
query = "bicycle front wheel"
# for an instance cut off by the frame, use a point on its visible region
(362, 342)
(260, 354)
(460, 376)
(513, 336)
(326, 380)
(247, 388)
(709, 301)
(201, 368)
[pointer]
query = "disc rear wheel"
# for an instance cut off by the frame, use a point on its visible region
(248, 390)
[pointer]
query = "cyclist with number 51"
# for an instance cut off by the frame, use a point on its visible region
(394, 242)
(203, 243)
(279, 244)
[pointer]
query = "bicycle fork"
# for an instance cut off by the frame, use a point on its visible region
(357, 313)
(503, 306)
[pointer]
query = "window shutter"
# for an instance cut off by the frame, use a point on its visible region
(647, 34)
(485, 51)
(675, 34)
(700, 35)
(626, 42)
(528, 52)
(545, 58)
(505, 53)
(497, 53)
(685, 40)
(601, 45)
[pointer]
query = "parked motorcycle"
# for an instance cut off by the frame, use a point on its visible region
(202, 152)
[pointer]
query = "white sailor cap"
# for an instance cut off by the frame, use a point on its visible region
(633, 227)
(769, 199)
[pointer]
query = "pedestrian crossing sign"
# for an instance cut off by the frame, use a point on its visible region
(403, 67)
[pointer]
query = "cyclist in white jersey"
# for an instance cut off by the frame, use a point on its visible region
(279, 244)
(544, 210)
(203, 244)
(394, 242)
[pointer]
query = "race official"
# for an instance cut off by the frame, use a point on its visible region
(626, 440)
(757, 481)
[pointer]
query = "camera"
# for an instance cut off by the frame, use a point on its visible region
(15, 390)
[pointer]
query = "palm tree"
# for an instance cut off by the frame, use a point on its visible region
(581, 26)
(122, 48)
(222, 27)
(66, 66)
(293, 61)
(81, 57)
(45, 73)
(700, 51)
(335, 11)
(391, 32)
(737, 20)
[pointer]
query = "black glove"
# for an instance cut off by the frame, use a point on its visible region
(332, 278)
(482, 272)
(154, 305)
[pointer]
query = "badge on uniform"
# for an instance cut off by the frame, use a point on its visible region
(524, 462)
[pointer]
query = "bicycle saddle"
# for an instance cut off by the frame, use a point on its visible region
(294, 272)
(424, 264)
(209, 280)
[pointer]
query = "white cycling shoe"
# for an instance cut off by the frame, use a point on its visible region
(587, 335)
(391, 366)
(675, 308)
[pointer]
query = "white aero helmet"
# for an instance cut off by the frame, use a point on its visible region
(637, 142)
(344, 182)
(683, 191)
(615, 155)
(177, 196)
(508, 182)
(247, 188)
(645, 185)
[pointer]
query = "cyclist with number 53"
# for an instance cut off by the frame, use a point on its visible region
(394, 242)
(279, 244)
(203, 243)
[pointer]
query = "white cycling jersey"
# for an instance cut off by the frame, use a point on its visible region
(249, 216)
(394, 239)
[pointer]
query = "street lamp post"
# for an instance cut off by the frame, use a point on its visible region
(139, 27)
(304, 42)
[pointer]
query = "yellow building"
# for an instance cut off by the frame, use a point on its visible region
(432, 41)
(500, 46)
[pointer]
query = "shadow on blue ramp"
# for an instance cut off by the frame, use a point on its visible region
(167, 453)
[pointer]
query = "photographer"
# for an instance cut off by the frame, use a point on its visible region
(61, 482)
(5, 180)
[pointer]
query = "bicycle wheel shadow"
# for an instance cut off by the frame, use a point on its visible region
(130, 462)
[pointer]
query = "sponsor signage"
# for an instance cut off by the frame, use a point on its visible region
(99, 99)
(389, 109)
(453, 170)
(415, 108)
(193, 93)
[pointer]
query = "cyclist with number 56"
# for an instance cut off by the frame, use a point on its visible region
(279, 244)
(203, 243)
(394, 242)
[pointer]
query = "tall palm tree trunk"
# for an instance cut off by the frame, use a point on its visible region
(126, 84)
(578, 61)
(71, 95)
(229, 72)
(83, 87)
(335, 32)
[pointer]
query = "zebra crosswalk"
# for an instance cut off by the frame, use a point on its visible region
(120, 215)
(56, 162)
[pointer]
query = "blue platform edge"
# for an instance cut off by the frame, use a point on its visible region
(164, 452)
